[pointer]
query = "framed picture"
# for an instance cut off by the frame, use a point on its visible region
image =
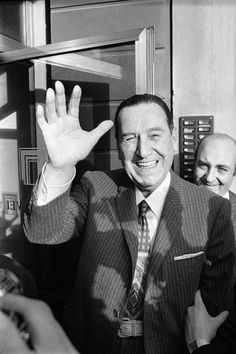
(10, 204)
(31, 161)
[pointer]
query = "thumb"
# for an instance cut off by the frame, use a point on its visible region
(101, 129)
(198, 300)
(198, 296)
(221, 317)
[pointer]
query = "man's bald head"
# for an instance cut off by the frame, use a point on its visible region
(215, 163)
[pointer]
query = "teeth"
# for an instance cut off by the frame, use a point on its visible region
(146, 164)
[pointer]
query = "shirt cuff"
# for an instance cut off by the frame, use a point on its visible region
(43, 193)
(197, 344)
(201, 342)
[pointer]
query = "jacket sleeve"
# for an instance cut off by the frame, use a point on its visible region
(58, 221)
(218, 277)
(216, 283)
(205, 349)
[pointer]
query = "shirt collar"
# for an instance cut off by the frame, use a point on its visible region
(159, 194)
(226, 196)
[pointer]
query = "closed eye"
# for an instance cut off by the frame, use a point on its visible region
(222, 169)
(129, 138)
(154, 136)
(202, 166)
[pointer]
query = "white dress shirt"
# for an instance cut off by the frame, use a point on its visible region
(156, 202)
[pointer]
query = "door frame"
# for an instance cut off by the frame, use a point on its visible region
(144, 52)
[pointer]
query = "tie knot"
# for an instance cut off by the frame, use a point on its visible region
(142, 208)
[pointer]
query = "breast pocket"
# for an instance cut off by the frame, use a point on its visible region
(183, 272)
(189, 258)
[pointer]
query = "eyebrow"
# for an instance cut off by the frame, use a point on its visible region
(148, 131)
(127, 134)
(224, 166)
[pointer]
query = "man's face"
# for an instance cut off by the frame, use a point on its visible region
(215, 165)
(145, 145)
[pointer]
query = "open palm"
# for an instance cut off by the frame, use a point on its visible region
(66, 142)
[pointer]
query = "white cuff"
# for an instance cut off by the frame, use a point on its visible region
(61, 186)
(43, 194)
(201, 342)
(197, 344)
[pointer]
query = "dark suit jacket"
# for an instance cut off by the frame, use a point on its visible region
(205, 349)
(102, 212)
(225, 341)
(232, 198)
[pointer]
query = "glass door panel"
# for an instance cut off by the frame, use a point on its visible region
(108, 69)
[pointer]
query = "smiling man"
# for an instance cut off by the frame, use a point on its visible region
(149, 239)
(215, 168)
(215, 164)
(145, 145)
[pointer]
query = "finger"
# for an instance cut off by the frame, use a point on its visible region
(100, 130)
(50, 106)
(74, 102)
(199, 302)
(46, 334)
(60, 99)
(222, 317)
(198, 299)
(40, 117)
(30, 309)
(35, 313)
(10, 338)
(16, 303)
(198, 296)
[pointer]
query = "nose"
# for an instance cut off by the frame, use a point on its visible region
(144, 147)
(210, 175)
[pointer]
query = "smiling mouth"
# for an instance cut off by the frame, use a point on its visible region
(146, 165)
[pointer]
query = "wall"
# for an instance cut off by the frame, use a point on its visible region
(204, 62)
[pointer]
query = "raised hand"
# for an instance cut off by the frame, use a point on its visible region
(66, 142)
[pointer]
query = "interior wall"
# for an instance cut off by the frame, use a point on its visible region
(204, 62)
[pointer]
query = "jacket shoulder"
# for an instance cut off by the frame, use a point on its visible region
(106, 180)
(197, 194)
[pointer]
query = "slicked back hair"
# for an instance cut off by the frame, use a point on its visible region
(143, 98)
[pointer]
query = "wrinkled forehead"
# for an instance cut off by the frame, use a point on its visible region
(143, 115)
(222, 151)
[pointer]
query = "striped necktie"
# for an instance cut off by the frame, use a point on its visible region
(137, 292)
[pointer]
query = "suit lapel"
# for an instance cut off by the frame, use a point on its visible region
(126, 206)
(169, 226)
